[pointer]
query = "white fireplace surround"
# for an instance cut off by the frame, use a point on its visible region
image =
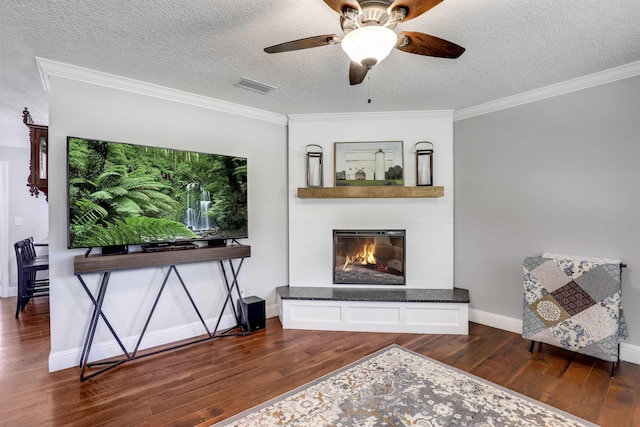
(428, 221)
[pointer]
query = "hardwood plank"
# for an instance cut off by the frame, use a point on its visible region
(617, 406)
(208, 382)
(566, 391)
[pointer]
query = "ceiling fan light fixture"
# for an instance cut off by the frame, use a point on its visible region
(369, 43)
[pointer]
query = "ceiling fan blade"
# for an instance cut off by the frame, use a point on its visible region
(424, 44)
(306, 43)
(357, 73)
(414, 7)
(339, 5)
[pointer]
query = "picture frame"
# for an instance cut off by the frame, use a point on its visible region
(369, 163)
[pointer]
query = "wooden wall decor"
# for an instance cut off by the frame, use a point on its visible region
(39, 164)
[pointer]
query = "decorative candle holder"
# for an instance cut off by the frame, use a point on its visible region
(313, 154)
(424, 163)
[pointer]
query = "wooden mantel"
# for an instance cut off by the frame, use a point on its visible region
(369, 192)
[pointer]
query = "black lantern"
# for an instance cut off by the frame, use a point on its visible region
(313, 154)
(424, 163)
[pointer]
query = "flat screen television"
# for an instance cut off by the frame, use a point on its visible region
(123, 194)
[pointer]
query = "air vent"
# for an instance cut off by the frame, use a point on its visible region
(254, 86)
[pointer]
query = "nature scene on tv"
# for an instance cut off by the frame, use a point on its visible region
(123, 194)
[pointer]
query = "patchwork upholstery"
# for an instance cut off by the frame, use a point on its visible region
(575, 304)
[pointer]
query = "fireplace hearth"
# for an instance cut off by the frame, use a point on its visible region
(369, 257)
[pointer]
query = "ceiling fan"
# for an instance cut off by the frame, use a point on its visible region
(369, 34)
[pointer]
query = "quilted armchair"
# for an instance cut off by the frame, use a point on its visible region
(574, 303)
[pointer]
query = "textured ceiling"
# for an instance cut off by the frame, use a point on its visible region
(205, 46)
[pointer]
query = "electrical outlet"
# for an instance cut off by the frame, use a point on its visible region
(17, 220)
(248, 292)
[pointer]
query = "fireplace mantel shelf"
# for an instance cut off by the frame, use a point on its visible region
(356, 192)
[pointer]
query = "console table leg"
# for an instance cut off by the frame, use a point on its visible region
(153, 309)
(193, 303)
(228, 299)
(243, 307)
(93, 324)
(104, 319)
(172, 268)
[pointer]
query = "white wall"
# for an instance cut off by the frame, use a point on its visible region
(559, 175)
(428, 222)
(98, 111)
(30, 210)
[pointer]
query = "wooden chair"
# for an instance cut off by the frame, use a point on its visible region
(28, 263)
(31, 247)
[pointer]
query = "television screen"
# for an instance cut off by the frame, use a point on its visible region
(125, 194)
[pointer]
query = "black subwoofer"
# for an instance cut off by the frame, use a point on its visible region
(253, 317)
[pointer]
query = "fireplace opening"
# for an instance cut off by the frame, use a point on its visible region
(372, 257)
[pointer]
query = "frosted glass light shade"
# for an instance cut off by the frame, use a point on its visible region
(369, 42)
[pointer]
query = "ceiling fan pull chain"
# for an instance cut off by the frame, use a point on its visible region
(369, 81)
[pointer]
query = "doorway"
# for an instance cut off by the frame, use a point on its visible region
(4, 229)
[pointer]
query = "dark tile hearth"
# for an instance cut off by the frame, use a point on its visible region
(455, 295)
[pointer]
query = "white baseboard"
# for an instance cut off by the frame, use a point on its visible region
(272, 311)
(496, 321)
(628, 352)
(103, 350)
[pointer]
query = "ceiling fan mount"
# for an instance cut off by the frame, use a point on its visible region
(371, 13)
(369, 27)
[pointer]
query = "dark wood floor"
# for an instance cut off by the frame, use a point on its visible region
(211, 381)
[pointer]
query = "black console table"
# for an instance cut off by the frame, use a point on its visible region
(105, 265)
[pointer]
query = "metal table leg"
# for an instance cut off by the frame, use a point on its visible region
(98, 313)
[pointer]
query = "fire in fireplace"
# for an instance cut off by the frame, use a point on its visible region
(371, 257)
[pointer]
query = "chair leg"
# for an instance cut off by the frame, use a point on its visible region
(20, 299)
(616, 363)
(531, 346)
(18, 304)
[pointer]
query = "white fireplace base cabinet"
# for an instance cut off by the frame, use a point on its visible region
(424, 311)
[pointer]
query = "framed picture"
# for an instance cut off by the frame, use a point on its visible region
(369, 163)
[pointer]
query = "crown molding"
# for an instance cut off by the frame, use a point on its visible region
(607, 76)
(320, 117)
(48, 68)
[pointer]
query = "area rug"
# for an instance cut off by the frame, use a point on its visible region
(398, 387)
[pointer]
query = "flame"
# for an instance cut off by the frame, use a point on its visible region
(365, 257)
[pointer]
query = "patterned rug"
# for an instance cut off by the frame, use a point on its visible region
(398, 387)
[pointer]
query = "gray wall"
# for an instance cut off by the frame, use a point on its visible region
(92, 110)
(559, 175)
